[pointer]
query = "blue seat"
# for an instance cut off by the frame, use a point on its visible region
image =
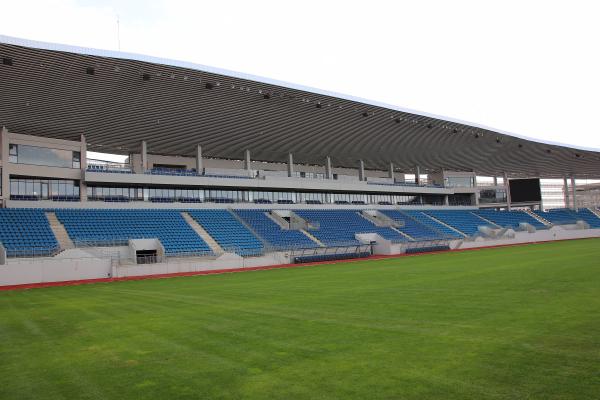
(339, 227)
(229, 233)
(509, 219)
(272, 233)
(26, 232)
(111, 227)
(463, 220)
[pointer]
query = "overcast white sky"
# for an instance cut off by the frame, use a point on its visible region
(528, 67)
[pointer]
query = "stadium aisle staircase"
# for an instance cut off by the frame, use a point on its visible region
(228, 232)
(445, 230)
(26, 233)
(210, 241)
(93, 227)
(509, 219)
(339, 227)
(272, 233)
(461, 220)
(565, 216)
(60, 233)
(413, 228)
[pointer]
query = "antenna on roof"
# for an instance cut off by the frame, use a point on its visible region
(118, 33)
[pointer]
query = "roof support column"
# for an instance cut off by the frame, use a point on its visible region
(418, 175)
(476, 193)
(5, 170)
(144, 156)
(507, 188)
(361, 170)
(247, 162)
(199, 161)
(566, 192)
(495, 181)
(574, 189)
(446, 200)
(328, 174)
(83, 166)
(391, 172)
(290, 165)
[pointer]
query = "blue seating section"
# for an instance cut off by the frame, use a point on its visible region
(413, 228)
(565, 216)
(272, 233)
(25, 232)
(589, 217)
(509, 219)
(339, 227)
(433, 224)
(463, 220)
(229, 233)
(109, 227)
(559, 216)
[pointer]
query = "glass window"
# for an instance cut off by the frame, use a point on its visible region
(13, 152)
(33, 155)
(76, 159)
(460, 181)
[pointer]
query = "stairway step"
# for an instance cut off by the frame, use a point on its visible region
(60, 232)
(313, 238)
(199, 229)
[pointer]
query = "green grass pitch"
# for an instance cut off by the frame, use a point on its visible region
(505, 323)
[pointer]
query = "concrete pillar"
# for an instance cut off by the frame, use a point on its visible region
(83, 166)
(328, 174)
(566, 192)
(574, 189)
(290, 165)
(247, 162)
(361, 170)
(199, 161)
(446, 200)
(4, 144)
(391, 172)
(507, 187)
(144, 156)
(495, 181)
(418, 175)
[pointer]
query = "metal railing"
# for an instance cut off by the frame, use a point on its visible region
(108, 166)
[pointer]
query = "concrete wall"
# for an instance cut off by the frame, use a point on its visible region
(23, 271)
(226, 261)
(543, 235)
(40, 171)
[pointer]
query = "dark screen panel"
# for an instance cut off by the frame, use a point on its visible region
(525, 190)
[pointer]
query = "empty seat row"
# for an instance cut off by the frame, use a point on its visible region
(108, 227)
(228, 231)
(26, 232)
(272, 233)
(340, 227)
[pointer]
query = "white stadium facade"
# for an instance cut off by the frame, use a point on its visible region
(223, 170)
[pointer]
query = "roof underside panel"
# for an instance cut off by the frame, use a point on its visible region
(48, 93)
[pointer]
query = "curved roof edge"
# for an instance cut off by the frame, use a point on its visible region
(205, 68)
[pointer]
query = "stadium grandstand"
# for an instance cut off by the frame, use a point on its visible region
(225, 170)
